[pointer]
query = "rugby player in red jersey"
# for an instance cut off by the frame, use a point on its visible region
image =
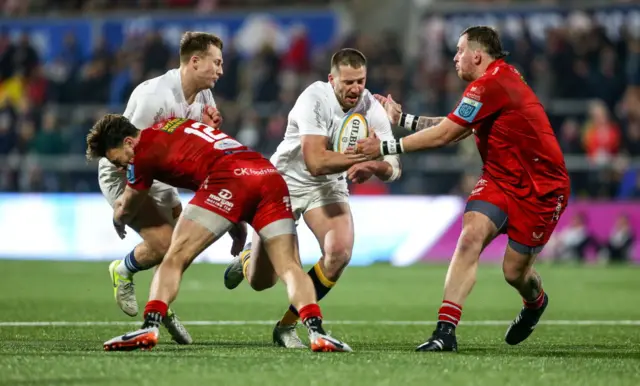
(523, 190)
(233, 186)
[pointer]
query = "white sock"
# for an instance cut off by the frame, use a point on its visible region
(122, 270)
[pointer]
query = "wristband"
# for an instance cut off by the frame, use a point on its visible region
(391, 147)
(408, 121)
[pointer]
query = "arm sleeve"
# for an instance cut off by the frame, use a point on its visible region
(139, 176)
(481, 99)
(145, 110)
(311, 114)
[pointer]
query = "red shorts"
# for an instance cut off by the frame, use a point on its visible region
(529, 222)
(249, 190)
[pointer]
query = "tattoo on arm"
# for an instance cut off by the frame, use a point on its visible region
(426, 122)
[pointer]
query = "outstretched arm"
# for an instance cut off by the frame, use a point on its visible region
(443, 133)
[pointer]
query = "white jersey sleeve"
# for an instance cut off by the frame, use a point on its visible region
(311, 114)
(144, 108)
(379, 122)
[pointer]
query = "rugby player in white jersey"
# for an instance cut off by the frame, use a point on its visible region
(317, 180)
(182, 92)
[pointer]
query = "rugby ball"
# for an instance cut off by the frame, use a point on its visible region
(354, 127)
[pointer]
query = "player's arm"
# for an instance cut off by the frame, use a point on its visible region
(442, 134)
(320, 161)
(313, 124)
(126, 206)
(471, 110)
(139, 180)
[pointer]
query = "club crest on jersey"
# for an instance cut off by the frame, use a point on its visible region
(171, 125)
(468, 109)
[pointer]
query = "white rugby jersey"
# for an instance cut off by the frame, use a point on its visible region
(318, 112)
(162, 98)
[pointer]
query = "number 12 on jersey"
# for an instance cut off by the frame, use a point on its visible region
(220, 140)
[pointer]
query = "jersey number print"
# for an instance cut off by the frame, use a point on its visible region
(220, 140)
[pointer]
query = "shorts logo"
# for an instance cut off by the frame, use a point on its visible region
(225, 194)
(477, 190)
(468, 109)
(221, 200)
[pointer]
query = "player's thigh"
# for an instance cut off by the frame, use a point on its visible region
(260, 272)
(530, 227)
(196, 230)
(330, 220)
(156, 218)
(485, 215)
(275, 227)
(154, 227)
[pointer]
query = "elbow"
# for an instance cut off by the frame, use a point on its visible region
(314, 169)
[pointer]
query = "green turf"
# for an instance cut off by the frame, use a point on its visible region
(243, 355)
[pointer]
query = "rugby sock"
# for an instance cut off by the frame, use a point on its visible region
(322, 286)
(310, 311)
(537, 303)
(449, 313)
(129, 265)
(244, 258)
(154, 312)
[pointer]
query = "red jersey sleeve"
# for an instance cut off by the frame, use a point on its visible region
(139, 176)
(482, 98)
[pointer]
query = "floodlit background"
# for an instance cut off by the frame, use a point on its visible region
(64, 63)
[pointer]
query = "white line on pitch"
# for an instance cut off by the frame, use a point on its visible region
(329, 322)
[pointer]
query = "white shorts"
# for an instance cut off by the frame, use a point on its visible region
(303, 200)
(113, 181)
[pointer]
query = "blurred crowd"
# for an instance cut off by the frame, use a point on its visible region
(34, 7)
(46, 108)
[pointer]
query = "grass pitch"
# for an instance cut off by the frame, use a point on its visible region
(590, 334)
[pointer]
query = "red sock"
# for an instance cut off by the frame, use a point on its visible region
(450, 312)
(536, 303)
(310, 311)
(156, 306)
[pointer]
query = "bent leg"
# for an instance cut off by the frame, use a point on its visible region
(197, 229)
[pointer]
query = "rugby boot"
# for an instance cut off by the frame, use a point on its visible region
(524, 324)
(286, 336)
(320, 340)
(442, 339)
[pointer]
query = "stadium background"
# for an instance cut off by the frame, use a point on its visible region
(64, 63)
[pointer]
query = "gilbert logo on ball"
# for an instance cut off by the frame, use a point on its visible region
(354, 127)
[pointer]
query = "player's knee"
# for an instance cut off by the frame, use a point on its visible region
(179, 255)
(262, 283)
(337, 257)
(162, 246)
(513, 273)
(471, 239)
